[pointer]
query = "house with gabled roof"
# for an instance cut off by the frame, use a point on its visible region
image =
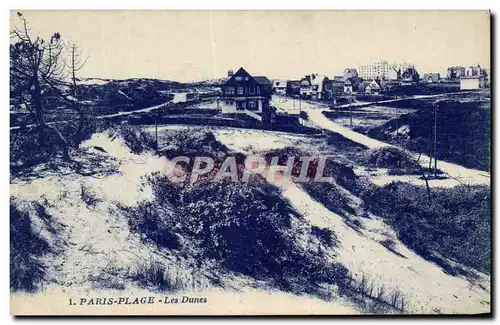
(316, 87)
(351, 85)
(348, 86)
(245, 94)
(373, 87)
(431, 77)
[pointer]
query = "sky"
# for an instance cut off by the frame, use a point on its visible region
(199, 45)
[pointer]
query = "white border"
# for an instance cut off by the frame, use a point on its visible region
(190, 4)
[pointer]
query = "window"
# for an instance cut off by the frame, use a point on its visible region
(253, 105)
(251, 90)
(229, 91)
(229, 102)
(238, 78)
(240, 90)
(239, 105)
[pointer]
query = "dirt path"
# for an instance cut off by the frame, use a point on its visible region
(314, 110)
(142, 110)
(359, 104)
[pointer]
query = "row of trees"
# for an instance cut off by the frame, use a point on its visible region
(43, 72)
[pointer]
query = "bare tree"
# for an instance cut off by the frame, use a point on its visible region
(38, 69)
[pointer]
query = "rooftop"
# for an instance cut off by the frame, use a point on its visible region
(262, 80)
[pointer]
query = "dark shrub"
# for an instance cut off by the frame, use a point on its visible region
(463, 131)
(26, 270)
(345, 177)
(246, 227)
(25, 149)
(327, 236)
(136, 139)
(330, 195)
(343, 174)
(290, 152)
(391, 157)
(193, 143)
(455, 224)
(153, 274)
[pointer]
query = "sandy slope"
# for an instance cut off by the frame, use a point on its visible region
(99, 242)
(427, 289)
(98, 249)
(97, 238)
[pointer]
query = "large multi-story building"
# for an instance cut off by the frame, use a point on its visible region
(383, 70)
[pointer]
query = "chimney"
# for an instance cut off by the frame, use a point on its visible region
(230, 73)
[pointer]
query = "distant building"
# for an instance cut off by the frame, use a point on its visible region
(373, 70)
(476, 71)
(472, 82)
(351, 85)
(279, 86)
(350, 73)
(338, 78)
(382, 70)
(455, 73)
(293, 88)
(431, 78)
(338, 87)
(351, 81)
(348, 87)
(473, 70)
(373, 87)
(243, 93)
(410, 75)
(316, 87)
(474, 77)
(394, 74)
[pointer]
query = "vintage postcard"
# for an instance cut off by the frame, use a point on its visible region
(250, 162)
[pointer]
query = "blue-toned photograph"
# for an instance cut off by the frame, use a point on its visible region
(250, 163)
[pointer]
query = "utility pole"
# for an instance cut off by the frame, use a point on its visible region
(397, 124)
(300, 105)
(350, 114)
(435, 140)
(156, 121)
(156, 128)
